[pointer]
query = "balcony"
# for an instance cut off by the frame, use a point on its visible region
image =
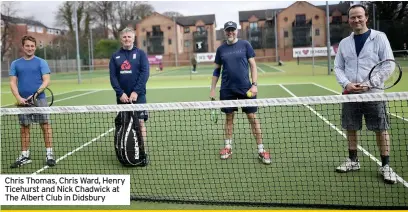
(306, 23)
(200, 34)
(155, 49)
(155, 44)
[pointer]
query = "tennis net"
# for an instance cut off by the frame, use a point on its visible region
(302, 134)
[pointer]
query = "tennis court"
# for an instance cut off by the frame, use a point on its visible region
(300, 153)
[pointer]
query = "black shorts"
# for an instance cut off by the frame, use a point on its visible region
(375, 114)
(141, 99)
(234, 94)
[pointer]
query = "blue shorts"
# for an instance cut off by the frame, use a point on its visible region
(141, 99)
(234, 94)
(41, 118)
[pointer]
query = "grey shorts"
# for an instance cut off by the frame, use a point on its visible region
(27, 119)
(375, 114)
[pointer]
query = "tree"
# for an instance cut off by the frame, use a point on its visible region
(102, 10)
(104, 48)
(172, 14)
(123, 11)
(392, 17)
(388, 10)
(8, 10)
(65, 17)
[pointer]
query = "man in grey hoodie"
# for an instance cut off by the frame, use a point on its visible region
(356, 55)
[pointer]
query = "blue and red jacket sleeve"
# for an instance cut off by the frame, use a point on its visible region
(114, 77)
(140, 86)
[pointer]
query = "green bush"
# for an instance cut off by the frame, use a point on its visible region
(105, 48)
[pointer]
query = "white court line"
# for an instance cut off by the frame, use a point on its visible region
(54, 96)
(71, 97)
(395, 115)
(76, 150)
(260, 69)
(199, 86)
(274, 67)
(405, 183)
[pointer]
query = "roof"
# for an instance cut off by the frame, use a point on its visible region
(191, 20)
(21, 20)
(260, 14)
(342, 7)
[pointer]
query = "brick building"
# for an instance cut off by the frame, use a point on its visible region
(294, 26)
(18, 27)
(160, 35)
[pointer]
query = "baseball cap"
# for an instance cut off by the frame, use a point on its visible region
(230, 24)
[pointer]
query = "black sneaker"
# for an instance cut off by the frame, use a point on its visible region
(22, 160)
(50, 160)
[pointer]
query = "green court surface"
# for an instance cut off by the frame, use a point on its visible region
(177, 84)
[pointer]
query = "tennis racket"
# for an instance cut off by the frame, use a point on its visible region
(40, 94)
(214, 113)
(384, 75)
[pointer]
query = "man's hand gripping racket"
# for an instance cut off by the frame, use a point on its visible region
(383, 75)
(33, 99)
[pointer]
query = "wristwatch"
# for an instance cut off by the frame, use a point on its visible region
(255, 84)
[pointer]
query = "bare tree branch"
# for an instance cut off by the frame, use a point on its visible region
(8, 11)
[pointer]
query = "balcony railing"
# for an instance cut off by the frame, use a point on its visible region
(307, 23)
(200, 34)
(155, 45)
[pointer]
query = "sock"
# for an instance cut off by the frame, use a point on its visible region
(26, 153)
(228, 143)
(385, 159)
(260, 148)
(353, 155)
(49, 151)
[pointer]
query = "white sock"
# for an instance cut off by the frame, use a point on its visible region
(260, 148)
(26, 153)
(49, 151)
(228, 143)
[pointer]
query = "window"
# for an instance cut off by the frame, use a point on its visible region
(169, 27)
(336, 19)
(39, 29)
(187, 43)
(186, 29)
(169, 41)
(301, 19)
(156, 28)
(286, 19)
(256, 39)
(285, 34)
(144, 43)
(253, 26)
(200, 29)
(30, 28)
(317, 32)
(316, 17)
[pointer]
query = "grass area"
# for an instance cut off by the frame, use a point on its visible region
(184, 145)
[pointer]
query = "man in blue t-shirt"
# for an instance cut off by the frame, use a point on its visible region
(234, 58)
(28, 75)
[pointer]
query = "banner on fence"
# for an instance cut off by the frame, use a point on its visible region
(205, 57)
(317, 51)
(155, 59)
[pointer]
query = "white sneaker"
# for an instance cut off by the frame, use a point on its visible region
(348, 165)
(389, 175)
